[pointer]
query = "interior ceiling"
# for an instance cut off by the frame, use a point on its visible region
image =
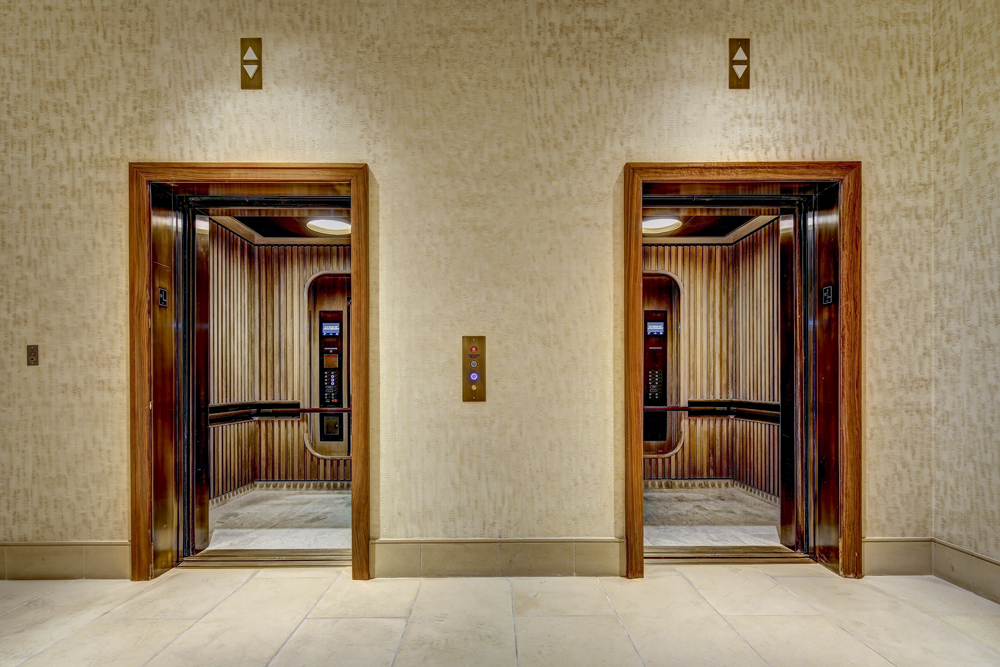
(281, 223)
(280, 227)
(708, 225)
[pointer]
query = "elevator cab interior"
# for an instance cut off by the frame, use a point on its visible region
(279, 430)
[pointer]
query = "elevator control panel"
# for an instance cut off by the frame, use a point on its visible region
(474, 368)
(331, 372)
(655, 357)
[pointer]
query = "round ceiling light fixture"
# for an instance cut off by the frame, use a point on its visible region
(330, 226)
(660, 225)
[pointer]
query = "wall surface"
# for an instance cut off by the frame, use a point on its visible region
(496, 133)
(966, 241)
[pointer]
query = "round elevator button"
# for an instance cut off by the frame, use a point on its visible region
(473, 376)
(474, 364)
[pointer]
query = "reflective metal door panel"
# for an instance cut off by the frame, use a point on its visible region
(163, 319)
(199, 467)
(789, 453)
(826, 391)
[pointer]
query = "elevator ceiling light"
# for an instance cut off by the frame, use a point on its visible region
(330, 226)
(660, 225)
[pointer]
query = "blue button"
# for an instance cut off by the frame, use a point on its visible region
(473, 376)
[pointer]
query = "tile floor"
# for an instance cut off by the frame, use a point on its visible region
(708, 517)
(686, 615)
(283, 519)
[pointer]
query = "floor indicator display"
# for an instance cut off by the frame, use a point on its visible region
(473, 368)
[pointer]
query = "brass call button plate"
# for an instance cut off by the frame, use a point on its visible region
(473, 368)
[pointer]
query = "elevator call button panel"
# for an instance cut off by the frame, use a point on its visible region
(474, 368)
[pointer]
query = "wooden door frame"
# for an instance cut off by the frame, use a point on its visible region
(141, 176)
(848, 175)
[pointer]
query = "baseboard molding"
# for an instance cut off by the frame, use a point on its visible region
(65, 560)
(280, 485)
(497, 558)
(687, 483)
(962, 567)
(928, 555)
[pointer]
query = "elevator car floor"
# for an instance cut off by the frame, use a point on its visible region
(709, 518)
(279, 519)
(692, 615)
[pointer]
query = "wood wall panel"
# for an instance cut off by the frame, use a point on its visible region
(756, 377)
(233, 450)
(704, 275)
(283, 273)
(729, 350)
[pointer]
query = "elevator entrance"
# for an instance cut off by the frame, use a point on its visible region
(250, 346)
(742, 350)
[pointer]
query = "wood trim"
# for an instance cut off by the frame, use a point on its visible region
(140, 374)
(141, 175)
(848, 174)
(633, 374)
(360, 492)
(851, 405)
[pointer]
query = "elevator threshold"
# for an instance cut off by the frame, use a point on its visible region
(723, 554)
(269, 558)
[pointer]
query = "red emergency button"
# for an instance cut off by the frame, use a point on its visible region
(474, 348)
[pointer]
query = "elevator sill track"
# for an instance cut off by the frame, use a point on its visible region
(269, 558)
(727, 554)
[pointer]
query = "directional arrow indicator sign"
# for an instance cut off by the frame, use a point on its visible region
(251, 63)
(739, 63)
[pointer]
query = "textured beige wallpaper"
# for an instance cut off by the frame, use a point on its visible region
(967, 261)
(496, 132)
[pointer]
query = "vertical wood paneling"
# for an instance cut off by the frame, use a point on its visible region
(233, 451)
(257, 306)
(283, 272)
(756, 376)
(703, 274)
(729, 350)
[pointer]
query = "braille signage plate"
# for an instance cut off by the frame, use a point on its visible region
(474, 368)
(251, 62)
(739, 63)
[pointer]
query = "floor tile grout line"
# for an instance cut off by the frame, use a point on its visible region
(838, 624)
(197, 620)
(622, 623)
(304, 617)
(69, 581)
(85, 625)
(407, 624)
(726, 620)
(513, 619)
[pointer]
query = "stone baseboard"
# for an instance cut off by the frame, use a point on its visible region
(65, 560)
(927, 555)
(496, 558)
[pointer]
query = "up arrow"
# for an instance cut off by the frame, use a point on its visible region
(250, 55)
(740, 55)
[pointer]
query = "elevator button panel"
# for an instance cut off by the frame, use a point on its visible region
(474, 368)
(655, 363)
(331, 366)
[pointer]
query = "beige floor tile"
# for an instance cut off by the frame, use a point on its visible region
(302, 572)
(796, 569)
(553, 641)
(377, 598)
(738, 590)
(184, 594)
(897, 631)
(460, 622)
(654, 571)
(671, 624)
(934, 596)
(111, 643)
(292, 598)
(560, 597)
(804, 641)
(15, 593)
(224, 642)
(346, 642)
(38, 624)
(985, 629)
